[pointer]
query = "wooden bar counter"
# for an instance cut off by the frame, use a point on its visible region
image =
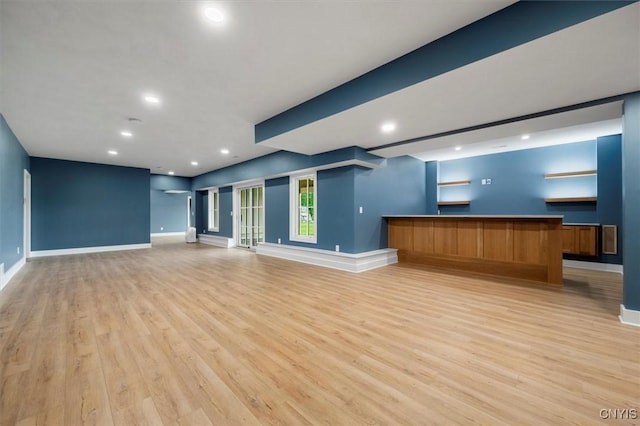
(528, 247)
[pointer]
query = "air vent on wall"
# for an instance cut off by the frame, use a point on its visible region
(609, 239)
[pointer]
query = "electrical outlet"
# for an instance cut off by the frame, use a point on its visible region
(279, 241)
(204, 231)
(337, 247)
(18, 250)
(488, 181)
(484, 181)
(361, 210)
(162, 228)
(231, 213)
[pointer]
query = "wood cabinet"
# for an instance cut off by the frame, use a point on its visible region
(528, 247)
(581, 240)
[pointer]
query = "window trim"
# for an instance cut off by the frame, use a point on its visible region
(293, 208)
(213, 194)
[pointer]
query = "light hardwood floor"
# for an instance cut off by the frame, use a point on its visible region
(197, 335)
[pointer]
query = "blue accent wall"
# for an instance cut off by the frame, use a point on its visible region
(431, 189)
(517, 24)
(276, 210)
(169, 211)
(610, 190)
(334, 209)
(78, 204)
(518, 185)
(277, 163)
(336, 194)
(201, 208)
(164, 183)
(13, 161)
(631, 198)
(397, 188)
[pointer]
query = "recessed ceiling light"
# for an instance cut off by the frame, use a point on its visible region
(194, 163)
(112, 152)
(224, 151)
(152, 99)
(213, 14)
(171, 172)
(458, 148)
(126, 133)
(525, 137)
(388, 127)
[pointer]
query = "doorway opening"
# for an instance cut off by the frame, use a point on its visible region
(250, 217)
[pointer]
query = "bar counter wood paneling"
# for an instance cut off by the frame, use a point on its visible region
(528, 247)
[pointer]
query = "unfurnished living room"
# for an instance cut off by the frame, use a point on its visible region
(408, 212)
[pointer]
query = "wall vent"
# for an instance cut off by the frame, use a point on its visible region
(609, 239)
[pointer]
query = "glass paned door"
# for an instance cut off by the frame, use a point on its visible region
(251, 218)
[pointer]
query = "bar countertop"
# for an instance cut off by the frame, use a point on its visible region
(461, 216)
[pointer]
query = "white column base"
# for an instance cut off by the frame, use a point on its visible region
(5, 278)
(629, 316)
(84, 250)
(214, 240)
(593, 266)
(350, 262)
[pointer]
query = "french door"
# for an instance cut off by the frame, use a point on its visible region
(251, 216)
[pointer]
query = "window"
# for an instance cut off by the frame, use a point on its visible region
(303, 219)
(214, 210)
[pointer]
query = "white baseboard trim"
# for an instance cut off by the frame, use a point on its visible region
(214, 240)
(350, 262)
(84, 250)
(5, 278)
(593, 266)
(629, 316)
(167, 234)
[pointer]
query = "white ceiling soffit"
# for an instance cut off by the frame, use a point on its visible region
(569, 126)
(593, 60)
(73, 71)
(557, 136)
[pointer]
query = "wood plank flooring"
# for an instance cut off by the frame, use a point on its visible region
(188, 334)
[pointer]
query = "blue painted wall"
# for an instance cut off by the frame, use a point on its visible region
(397, 188)
(518, 185)
(610, 190)
(13, 161)
(334, 209)
(276, 212)
(225, 200)
(432, 188)
(277, 163)
(517, 24)
(631, 197)
(78, 204)
(169, 211)
(164, 182)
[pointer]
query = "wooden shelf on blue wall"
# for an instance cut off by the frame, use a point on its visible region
(455, 183)
(571, 200)
(454, 203)
(571, 174)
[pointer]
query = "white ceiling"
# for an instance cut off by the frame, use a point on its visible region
(593, 60)
(72, 72)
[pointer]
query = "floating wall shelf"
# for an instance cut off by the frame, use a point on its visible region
(454, 203)
(571, 200)
(455, 183)
(571, 174)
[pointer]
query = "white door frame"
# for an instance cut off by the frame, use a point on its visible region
(235, 213)
(26, 223)
(189, 211)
